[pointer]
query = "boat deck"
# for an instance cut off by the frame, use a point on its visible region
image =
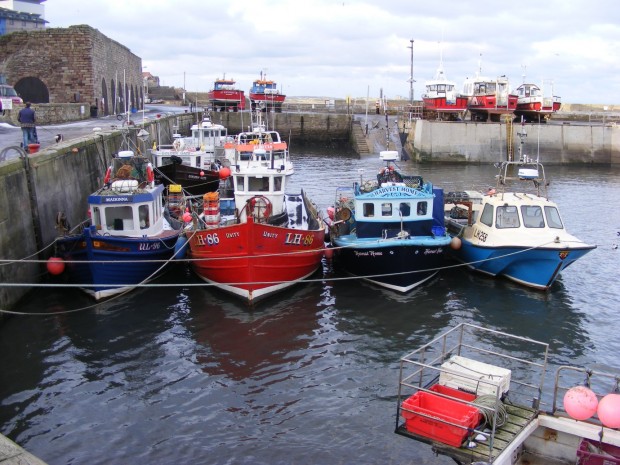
(517, 419)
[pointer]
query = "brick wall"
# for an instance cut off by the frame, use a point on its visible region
(76, 64)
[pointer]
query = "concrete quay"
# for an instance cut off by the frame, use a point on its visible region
(12, 454)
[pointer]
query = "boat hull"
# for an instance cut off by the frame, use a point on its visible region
(442, 104)
(266, 101)
(227, 99)
(195, 181)
(253, 260)
(533, 267)
(399, 264)
(104, 266)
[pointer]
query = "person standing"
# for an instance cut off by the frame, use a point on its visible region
(26, 118)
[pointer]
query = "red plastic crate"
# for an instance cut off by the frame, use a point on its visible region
(610, 455)
(436, 408)
(456, 393)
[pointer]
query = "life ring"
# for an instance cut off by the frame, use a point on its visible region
(108, 175)
(259, 207)
(150, 175)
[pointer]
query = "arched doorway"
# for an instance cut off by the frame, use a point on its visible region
(32, 89)
(103, 102)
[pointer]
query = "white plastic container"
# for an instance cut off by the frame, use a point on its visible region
(474, 376)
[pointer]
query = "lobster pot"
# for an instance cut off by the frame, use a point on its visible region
(212, 221)
(211, 204)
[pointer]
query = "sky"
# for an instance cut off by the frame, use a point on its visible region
(355, 48)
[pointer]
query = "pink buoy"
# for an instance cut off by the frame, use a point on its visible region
(455, 243)
(202, 173)
(580, 402)
(55, 265)
(187, 217)
(609, 410)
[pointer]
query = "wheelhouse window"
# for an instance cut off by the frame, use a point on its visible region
(240, 183)
(143, 213)
(532, 216)
(369, 210)
(422, 208)
(405, 209)
(119, 218)
(507, 216)
(277, 183)
(487, 215)
(386, 209)
(553, 218)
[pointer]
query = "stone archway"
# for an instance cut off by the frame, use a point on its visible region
(32, 89)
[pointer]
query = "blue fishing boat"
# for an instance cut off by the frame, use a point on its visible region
(518, 234)
(131, 235)
(389, 231)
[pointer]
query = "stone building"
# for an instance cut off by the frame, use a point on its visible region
(74, 64)
(21, 15)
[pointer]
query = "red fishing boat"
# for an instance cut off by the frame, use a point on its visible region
(534, 104)
(265, 95)
(261, 240)
(225, 96)
(489, 98)
(441, 99)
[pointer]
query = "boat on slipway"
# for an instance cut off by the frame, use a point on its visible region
(260, 239)
(389, 230)
(441, 100)
(130, 237)
(264, 95)
(534, 104)
(488, 98)
(473, 397)
(195, 162)
(225, 96)
(517, 234)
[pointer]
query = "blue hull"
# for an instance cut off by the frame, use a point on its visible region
(114, 264)
(400, 265)
(537, 268)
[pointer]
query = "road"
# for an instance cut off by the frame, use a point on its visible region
(11, 136)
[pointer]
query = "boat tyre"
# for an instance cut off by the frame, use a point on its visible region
(259, 207)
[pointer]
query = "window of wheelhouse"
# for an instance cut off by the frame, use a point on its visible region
(144, 216)
(532, 216)
(239, 183)
(277, 183)
(96, 217)
(386, 209)
(553, 218)
(422, 208)
(369, 210)
(118, 218)
(507, 216)
(487, 215)
(405, 209)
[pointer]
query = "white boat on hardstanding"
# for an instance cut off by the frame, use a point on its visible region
(477, 395)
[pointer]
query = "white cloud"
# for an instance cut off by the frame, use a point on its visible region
(339, 48)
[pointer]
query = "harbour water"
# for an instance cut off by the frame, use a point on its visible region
(186, 374)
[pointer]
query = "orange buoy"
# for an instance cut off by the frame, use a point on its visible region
(455, 243)
(329, 253)
(55, 265)
(224, 172)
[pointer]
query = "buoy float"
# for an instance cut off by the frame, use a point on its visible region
(609, 410)
(224, 172)
(202, 173)
(55, 265)
(455, 243)
(329, 253)
(580, 402)
(187, 217)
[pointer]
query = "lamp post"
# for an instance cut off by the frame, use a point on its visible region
(411, 81)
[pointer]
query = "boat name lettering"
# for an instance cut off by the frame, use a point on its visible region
(232, 235)
(392, 191)
(433, 251)
(270, 235)
(370, 253)
(293, 239)
(149, 245)
(115, 199)
(481, 236)
(208, 239)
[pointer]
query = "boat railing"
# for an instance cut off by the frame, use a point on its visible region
(522, 170)
(434, 364)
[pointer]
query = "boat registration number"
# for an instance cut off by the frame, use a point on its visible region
(481, 236)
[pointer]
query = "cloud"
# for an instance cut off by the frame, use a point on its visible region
(343, 48)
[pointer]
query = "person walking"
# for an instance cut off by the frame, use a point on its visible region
(26, 118)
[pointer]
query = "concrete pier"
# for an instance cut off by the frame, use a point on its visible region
(12, 454)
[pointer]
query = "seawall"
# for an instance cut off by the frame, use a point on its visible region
(469, 142)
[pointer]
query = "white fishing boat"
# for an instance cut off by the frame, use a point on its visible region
(475, 398)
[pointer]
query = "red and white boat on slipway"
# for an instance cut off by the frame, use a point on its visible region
(489, 98)
(534, 104)
(261, 240)
(264, 95)
(225, 96)
(441, 99)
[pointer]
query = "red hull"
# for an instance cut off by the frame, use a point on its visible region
(267, 98)
(253, 260)
(442, 105)
(228, 98)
